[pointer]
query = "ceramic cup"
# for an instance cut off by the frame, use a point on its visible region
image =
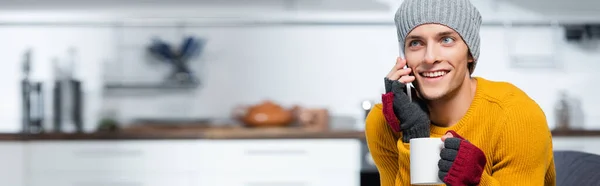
(424, 158)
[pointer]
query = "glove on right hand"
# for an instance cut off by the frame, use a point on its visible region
(401, 114)
(461, 163)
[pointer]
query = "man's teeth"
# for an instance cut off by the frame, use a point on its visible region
(434, 74)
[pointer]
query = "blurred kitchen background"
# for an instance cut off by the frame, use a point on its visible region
(142, 92)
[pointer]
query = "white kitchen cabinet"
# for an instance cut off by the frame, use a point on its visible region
(114, 178)
(292, 162)
(583, 144)
(593, 145)
(128, 155)
(12, 163)
(282, 178)
(281, 155)
(306, 162)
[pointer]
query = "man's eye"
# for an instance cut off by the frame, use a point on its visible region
(447, 40)
(414, 43)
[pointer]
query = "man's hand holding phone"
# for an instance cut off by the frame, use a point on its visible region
(401, 74)
(402, 114)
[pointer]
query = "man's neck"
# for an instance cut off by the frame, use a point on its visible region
(448, 111)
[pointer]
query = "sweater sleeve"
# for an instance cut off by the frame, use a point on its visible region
(523, 152)
(381, 141)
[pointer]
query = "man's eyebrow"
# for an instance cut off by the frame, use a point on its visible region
(446, 33)
(417, 37)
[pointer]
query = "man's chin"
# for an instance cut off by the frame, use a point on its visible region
(431, 94)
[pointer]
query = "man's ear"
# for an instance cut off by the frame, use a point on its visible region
(470, 58)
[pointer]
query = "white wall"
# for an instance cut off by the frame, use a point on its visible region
(330, 66)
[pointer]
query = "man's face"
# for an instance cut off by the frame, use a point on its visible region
(438, 57)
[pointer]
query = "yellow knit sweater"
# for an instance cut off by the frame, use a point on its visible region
(505, 123)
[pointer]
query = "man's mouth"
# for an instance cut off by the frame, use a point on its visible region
(434, 74)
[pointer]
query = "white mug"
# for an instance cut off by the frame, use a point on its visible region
(424, 158)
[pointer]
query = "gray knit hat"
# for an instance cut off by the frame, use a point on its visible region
(459, 15)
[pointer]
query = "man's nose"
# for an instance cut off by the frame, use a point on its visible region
(431, 54)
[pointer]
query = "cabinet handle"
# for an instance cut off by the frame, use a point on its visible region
(108, 152)
(107, 184)
(276, 184)
(275, 152)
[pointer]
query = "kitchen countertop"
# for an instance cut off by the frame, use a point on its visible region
(274, 133)
(576, 133)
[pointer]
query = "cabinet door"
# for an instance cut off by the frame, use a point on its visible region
(134, 155)
(12, 163)
(283, 155)
(293, 162)
(280, 178)
(91, 178)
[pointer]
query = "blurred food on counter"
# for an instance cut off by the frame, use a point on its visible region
(265, 114)
(260, 120)
(270, 114)
(313, 118)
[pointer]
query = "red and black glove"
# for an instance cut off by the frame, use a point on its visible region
(461, 163)
(403, 115)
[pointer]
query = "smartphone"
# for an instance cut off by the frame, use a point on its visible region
(411, 90)
(408, 85)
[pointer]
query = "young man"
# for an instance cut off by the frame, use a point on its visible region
(493, 133)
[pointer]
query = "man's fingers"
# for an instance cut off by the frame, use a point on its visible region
(447, 135)
(406, 79)
(399, 73)
(400, 63)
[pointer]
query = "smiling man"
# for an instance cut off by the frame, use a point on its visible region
(493, 132)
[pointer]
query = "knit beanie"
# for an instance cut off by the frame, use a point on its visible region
(460, 15)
